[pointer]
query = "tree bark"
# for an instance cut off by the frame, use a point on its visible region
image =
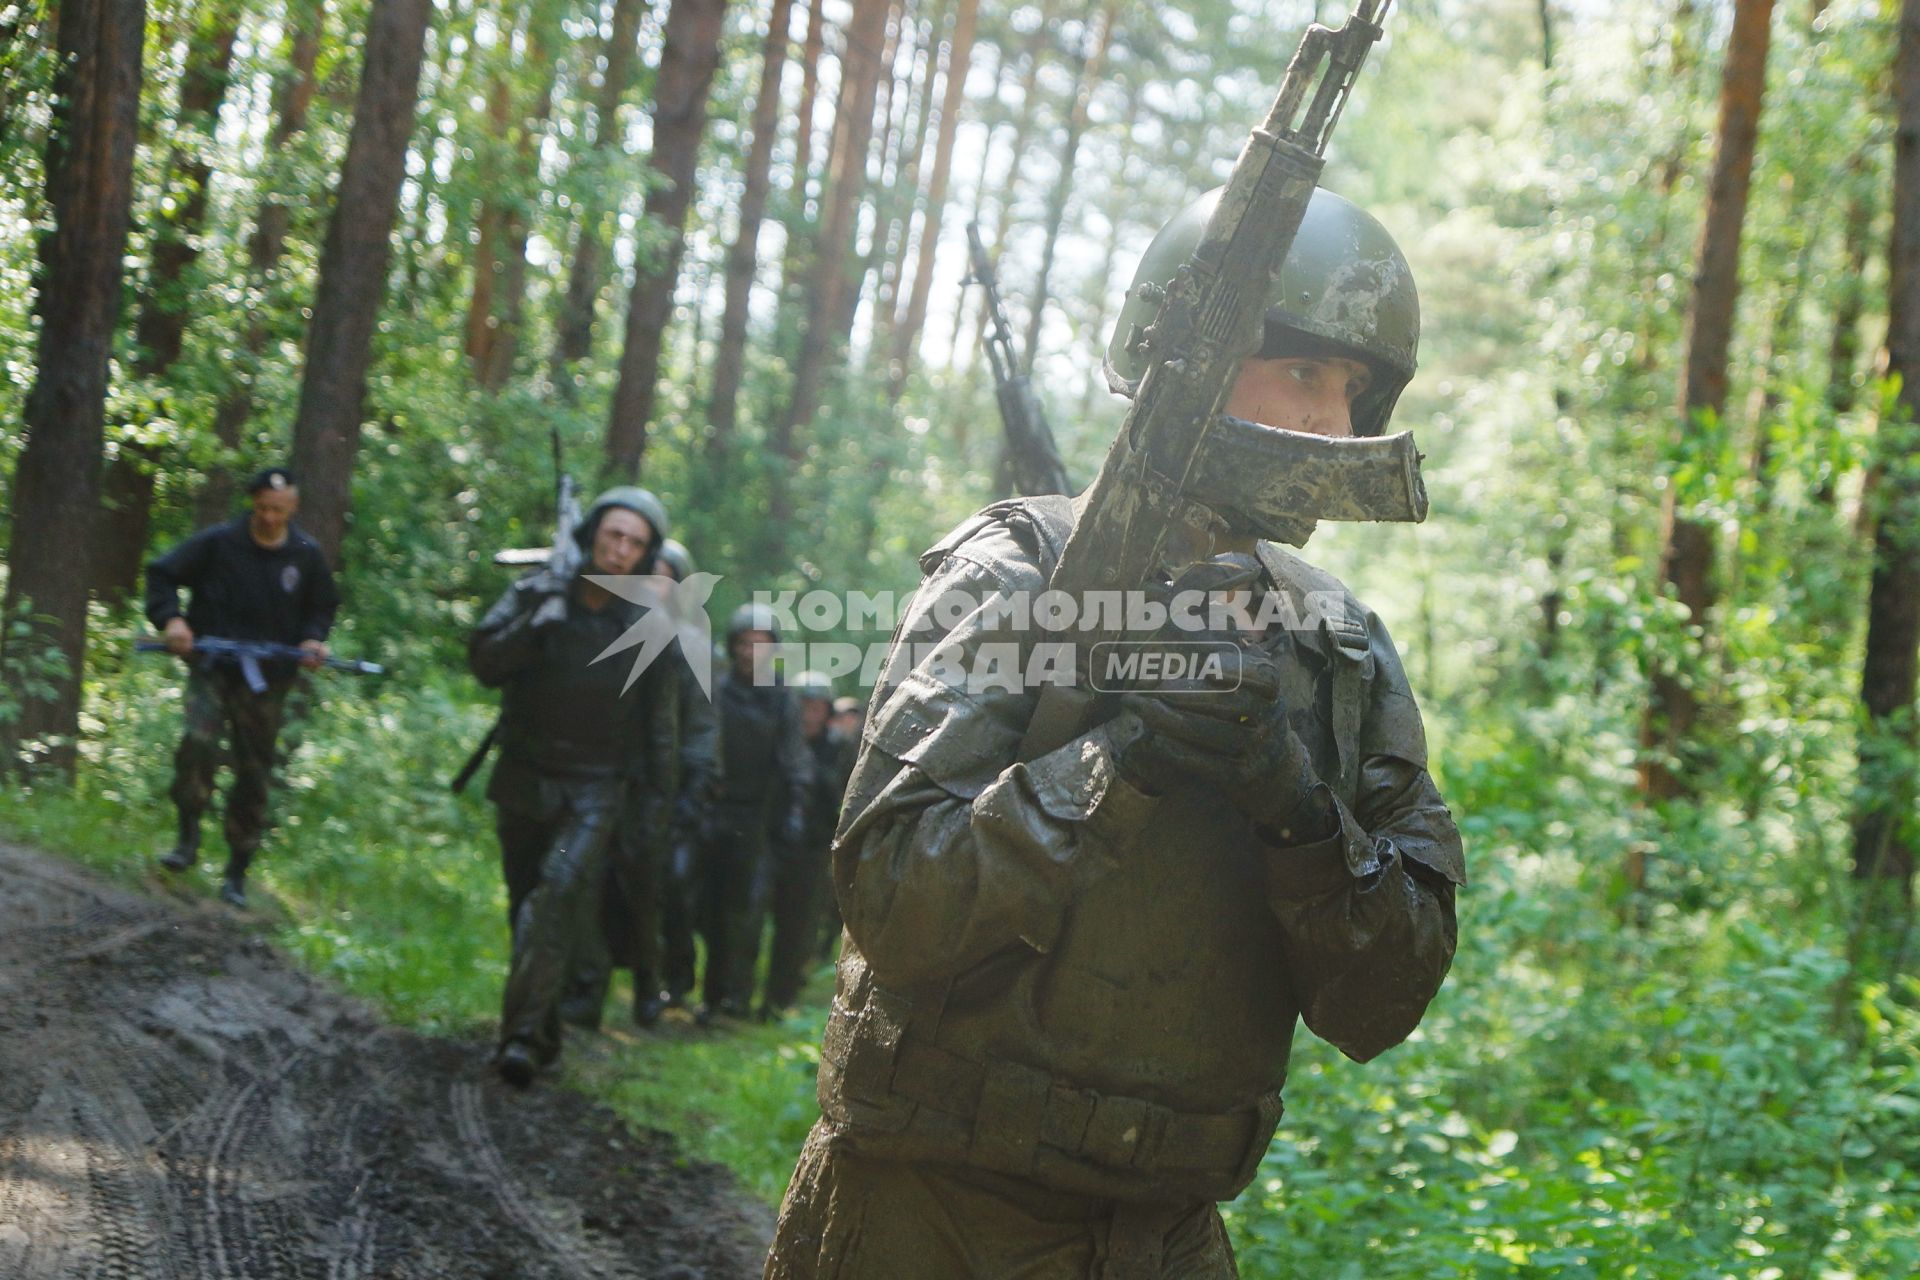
(521, 203)
(1686, 561)
(293, 92)
(1883, 847)
(353, 269)
(689, 55)
(161, 327)
(906, 334)
(829, 281)
(743, 258)
(810, 52)
(573, 336)
(902, 197)
(89, 189)
(1090, 72)
(492, 217)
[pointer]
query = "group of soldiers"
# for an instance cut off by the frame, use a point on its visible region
(633, 815)
(1073, 960)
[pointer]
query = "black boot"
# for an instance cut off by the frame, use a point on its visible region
(186, 848)
(233, 887)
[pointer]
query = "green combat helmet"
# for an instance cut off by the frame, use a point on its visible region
(753, 616)
(676, 559)
(812, 684)
(1345, 289)
(641, 502)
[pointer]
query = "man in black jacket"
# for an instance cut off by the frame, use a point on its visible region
(587, 747)
(257, 577)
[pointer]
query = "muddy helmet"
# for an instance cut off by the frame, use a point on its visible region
(814, 685)
(635, 499)
(1344, 290)
(676, 559)
(754, 616)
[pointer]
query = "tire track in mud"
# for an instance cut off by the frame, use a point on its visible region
(177, 1102)
(470, 1122)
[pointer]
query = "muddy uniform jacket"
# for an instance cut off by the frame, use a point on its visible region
(765, 767)
(1055, 976)
(242, 590)
(564, 714)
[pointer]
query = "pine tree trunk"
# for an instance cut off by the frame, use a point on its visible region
(690, 53)
(522, 201)
(903, 186)
(1883, 848)
(830, 281)
(1090, 72)
(573, 335)
(906, 336)
(56, 483)
(292, 98)
(161, 327)
(960, 296)
(492, 217)
(1686, 561)
(353, 269)
(810, 51)
(743, 258)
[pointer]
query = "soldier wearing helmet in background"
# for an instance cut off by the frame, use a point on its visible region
(581, 755)
(849, 716)
(765, 773)
(1069, 983)
(645, 923)
(800, 885)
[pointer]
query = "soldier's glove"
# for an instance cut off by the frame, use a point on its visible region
(1228, 733)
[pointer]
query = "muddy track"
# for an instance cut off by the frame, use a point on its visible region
(177, 1102)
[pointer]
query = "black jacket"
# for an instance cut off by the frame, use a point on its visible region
(242, 590)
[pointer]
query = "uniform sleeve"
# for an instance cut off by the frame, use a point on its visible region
(1368, 911)
(322, 596)
(794, 759)
(180, 567)
(699, 748)
(950, 849)
(506, 642)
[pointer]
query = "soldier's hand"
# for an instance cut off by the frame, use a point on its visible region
(179, 636)
(1228, 733)
(316, 651)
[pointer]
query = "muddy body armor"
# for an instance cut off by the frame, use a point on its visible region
(1060, 988)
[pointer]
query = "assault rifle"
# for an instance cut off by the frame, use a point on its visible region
(562, 560)
(249, 654)
(1141, 519)
(1030, 461)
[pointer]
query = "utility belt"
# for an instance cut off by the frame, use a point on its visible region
(1010, 1118)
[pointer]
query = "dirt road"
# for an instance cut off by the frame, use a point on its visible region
(177, 1101)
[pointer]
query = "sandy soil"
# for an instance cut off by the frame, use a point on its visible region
(176, 1100)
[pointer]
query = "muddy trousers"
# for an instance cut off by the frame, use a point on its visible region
(554, 863)
(629, 933)
(677, 915)
(219, 705)
(732, 899)
(798, 881)
(852, 1217)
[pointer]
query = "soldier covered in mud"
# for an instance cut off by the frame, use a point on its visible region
(256, 577)
(1070, 979)
(801, 890)
(765, 774)
(583, 757)
(645, 919)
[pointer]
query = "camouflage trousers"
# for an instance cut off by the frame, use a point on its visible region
(853, 1217)
(219, 706)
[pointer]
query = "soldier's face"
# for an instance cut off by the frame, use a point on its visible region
(813, 717)
(621, 541)
(752, 654)
(1314, 394)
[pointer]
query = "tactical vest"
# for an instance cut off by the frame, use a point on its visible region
(1021, 1065)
